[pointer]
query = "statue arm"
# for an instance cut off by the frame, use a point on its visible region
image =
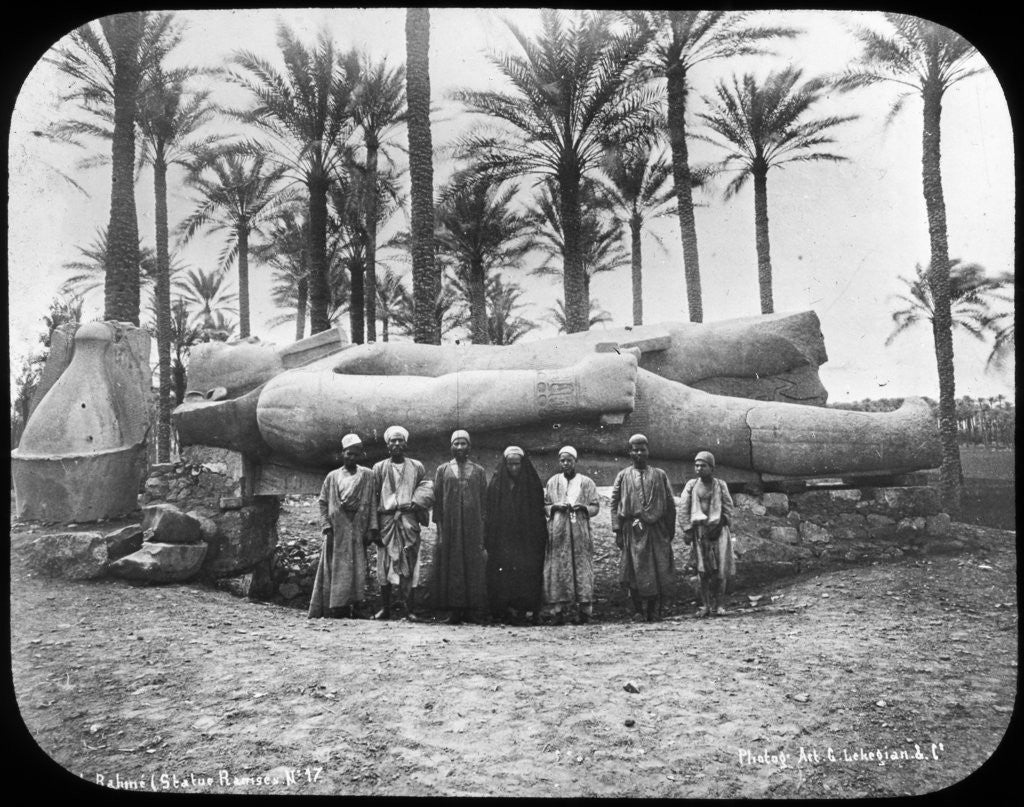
(299, 410)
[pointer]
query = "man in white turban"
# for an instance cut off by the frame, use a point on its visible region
(570, 501)
(404, 498)
(395, 431)
(348, 522)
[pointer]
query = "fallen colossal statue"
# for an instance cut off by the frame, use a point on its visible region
(746, 389)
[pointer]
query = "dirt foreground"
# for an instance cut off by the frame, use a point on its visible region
(889, 679)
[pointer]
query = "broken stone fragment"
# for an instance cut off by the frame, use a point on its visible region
(124, 541)
(71, 555)
(161, 563)
(166, 524)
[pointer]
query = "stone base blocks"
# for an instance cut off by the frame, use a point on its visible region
(778, 534)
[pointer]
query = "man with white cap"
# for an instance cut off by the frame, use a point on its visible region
(404, 498)
(460, 513)
(348, 522)
(705, 515)
(570, 501)
(644, 522)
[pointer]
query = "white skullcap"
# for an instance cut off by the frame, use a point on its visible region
(567, 450)
(395, 431)
(351, 440)
(460, 433)
(706, 456)
(638, 438)
(514, 451)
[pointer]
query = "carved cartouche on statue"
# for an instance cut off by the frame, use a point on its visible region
(82, 455)
(593, 389)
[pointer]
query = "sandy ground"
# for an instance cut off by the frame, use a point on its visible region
(888, 679)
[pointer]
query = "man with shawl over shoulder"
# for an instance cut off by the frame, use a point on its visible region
(460, 513)
(516, 537)
(348, 522)
(404, 499)
(705, 508)
(644, 523)
(570, 501)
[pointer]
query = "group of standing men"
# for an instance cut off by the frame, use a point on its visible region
(511, 547)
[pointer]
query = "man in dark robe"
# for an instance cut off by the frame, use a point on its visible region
(516, 538)
(644, 523)
(460, 513)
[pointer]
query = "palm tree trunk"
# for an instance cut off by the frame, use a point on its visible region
(478, 303)
(356, 306)
(574, 279)
(300, 308)
(243, 280)
(319, 291)
(950, 471)
(178, 370)
(638, 277)
(764, 261)
(163, 310)
(371, 240)
(121, 287)
(676, 80)
(426, 275)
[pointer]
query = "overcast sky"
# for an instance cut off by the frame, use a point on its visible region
(841, 234)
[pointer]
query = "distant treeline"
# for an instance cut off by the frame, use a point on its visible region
(987, 421)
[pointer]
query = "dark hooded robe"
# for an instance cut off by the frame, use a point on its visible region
(516, 538)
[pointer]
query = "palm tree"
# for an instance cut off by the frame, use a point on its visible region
(236, 195)
(208, 297)
(378, 105)
(426, 272)
(107, 65)
(597, 315)
(444, 312)
(971, 295)
(89, 271)
(285, 249)
(184, 334)
(478, 231)
(505, 326)
(764, 125)
(168, 119)
(304, 111)
(576, 93)
(390, 293)
(926, 59)
(1002, 327)
(600, 237)
(679, 41)
(349, 238)
(636, 187)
